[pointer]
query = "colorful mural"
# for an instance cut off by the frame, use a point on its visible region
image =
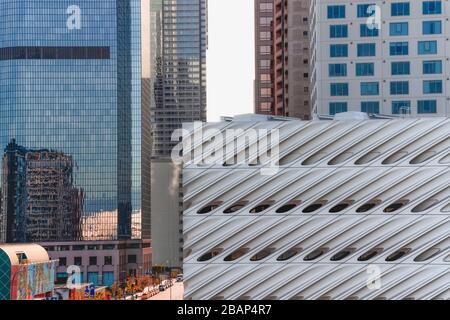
(31, 280)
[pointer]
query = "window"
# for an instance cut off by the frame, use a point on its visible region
(400, 68)
(93, 247)
(365, 31)
(265, 64)
(109, 246)
(432, 86)
(369, 254)
(369, 88)
(365, 69)
(266, 77)
(399, 87)
(92, 261)
(108, 278)
(78, 261)
(432, 27)
(264, 35)
(268, 7)
(78, 247)
(61, 278)
(265, 92)
(401, 107)
(289, 254)
(398, 48)
(366, 50)
(336, 12)
(132, 258)
(209, 255)
(341, 255)
(400, 9)
(262, 254)
(338, 50)
(315, 254)
(363, 10)
(395, 206)
(370, 107)
(108, 260)
(426, 106)
(397, 255)
(336, 107)
(337, 70)
(398, 28)
(339, 31)
(286, 208)
(432, 7)
(236, 254)
(339, 89)
(265, 49)
(260, 208)
(432, 67)
(93, 278)
(265, 21)
(428, 47)
(62, 261)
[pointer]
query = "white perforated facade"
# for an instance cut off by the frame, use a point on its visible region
(351, 198)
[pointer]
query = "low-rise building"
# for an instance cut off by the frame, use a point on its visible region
(101, 263)
(26, 272)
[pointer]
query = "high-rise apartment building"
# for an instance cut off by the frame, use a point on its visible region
(179, 43)
(282, 58)
(381, 57)
(76, 79)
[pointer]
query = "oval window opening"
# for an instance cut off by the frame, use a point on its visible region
(366, 207)
(341, 255)
(236, 255)
(315, 254)
(235, 207)
(426, 205)
(209, 255)
(262, 254)
(313, 207)
(340, 207)
(369, 255)
(427, 255)
(208, 208)
(395, 206)
(289, 254)
(286, 208)
(397, 255)
(261, 208)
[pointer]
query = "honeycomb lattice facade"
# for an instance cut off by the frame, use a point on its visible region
(350, 197)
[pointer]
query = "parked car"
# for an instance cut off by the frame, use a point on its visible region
(180, 278)
(162, 288)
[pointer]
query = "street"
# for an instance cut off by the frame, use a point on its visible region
(177, 293)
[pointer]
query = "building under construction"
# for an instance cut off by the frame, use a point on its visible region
(40, 202)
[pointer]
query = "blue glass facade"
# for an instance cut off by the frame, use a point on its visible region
(178, 70)
(80, 92)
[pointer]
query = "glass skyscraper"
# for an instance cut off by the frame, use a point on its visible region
(179, 43)
(72, 82)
